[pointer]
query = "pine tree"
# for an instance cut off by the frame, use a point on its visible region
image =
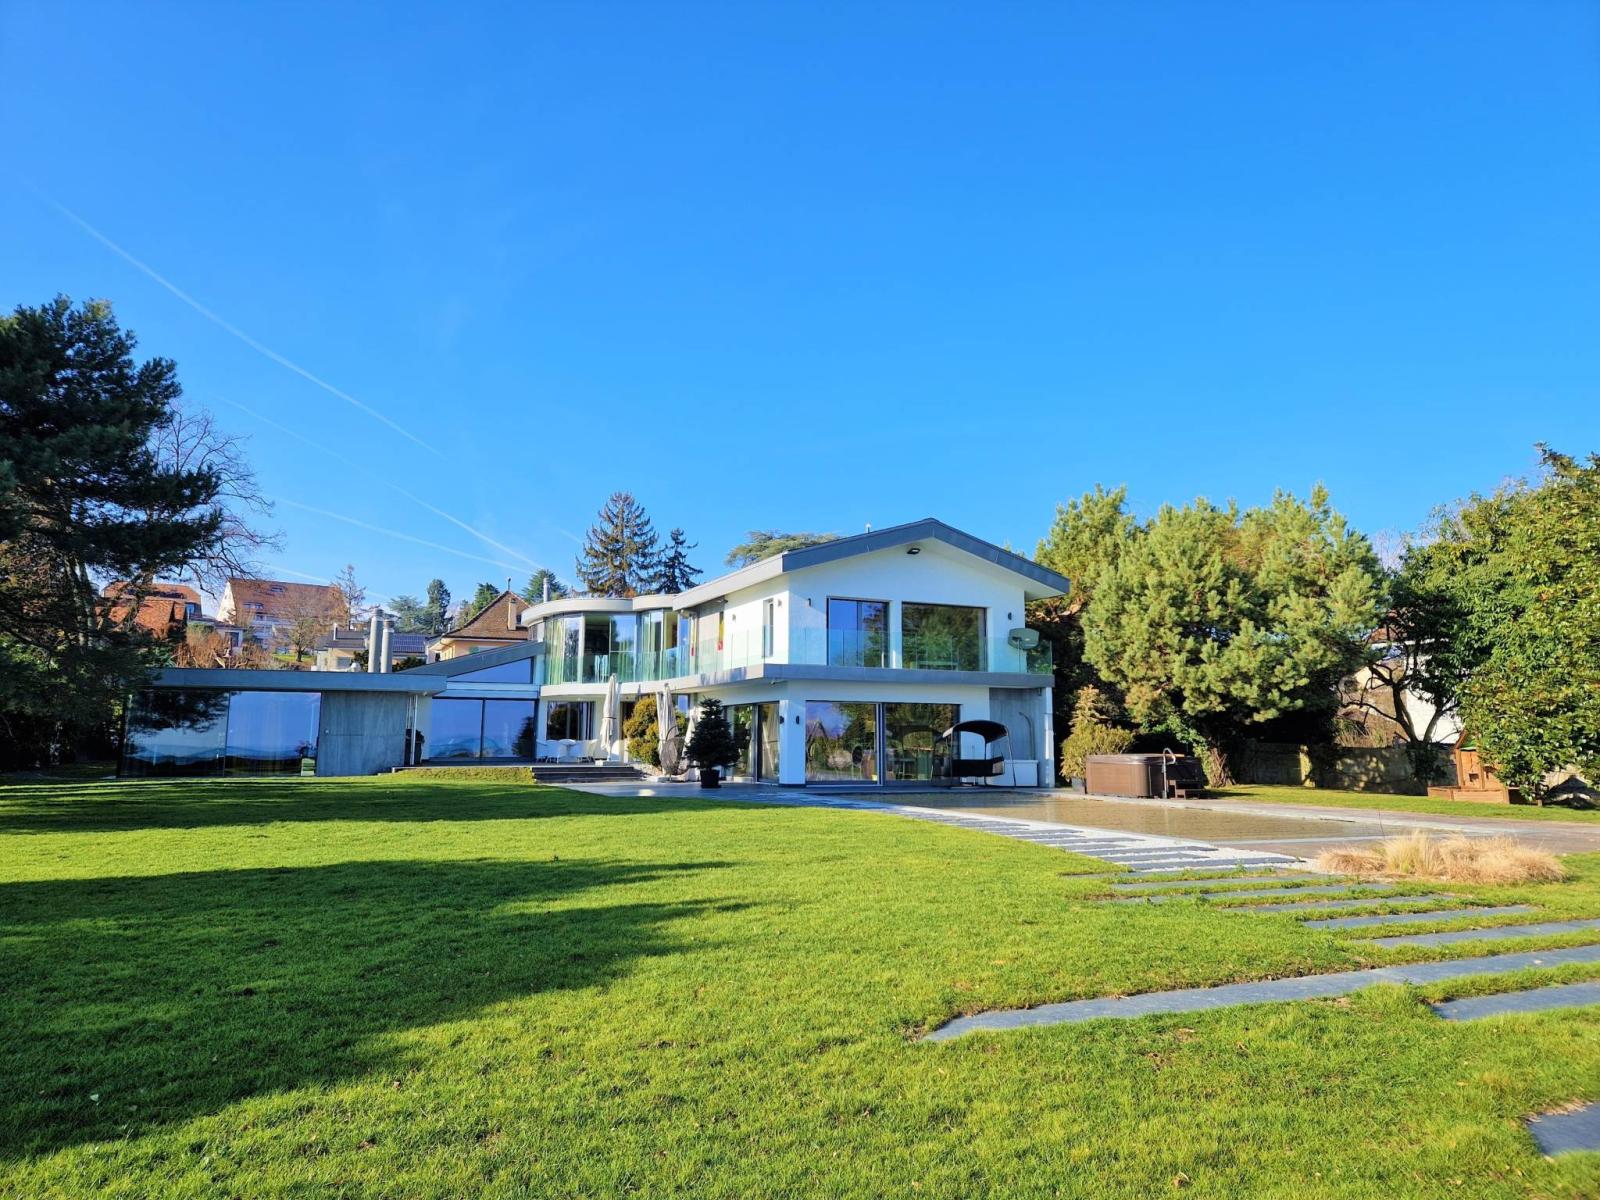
(438, 606)
(619, 556)
(84, 498)
(711, 741)
(355, 596)
(481, 599)
(676, 575)
(544, 576)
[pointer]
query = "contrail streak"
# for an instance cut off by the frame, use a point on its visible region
(216, 319)
(367, 471)
(395, 533)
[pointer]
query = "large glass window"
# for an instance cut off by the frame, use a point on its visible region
(455, 728)
(912, 745)
(742, 720)
(768, 729)
(176, 732)
(858, 633)
(273, 733)
(508, 729)
(941, 637)
(561, 638)
(565, 719)
(841, 742)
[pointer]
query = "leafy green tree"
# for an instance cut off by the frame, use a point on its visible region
(85, 497)
(410, 615)
(1212, 620)
(676, 575)
(764, 543)
(534, 592)
(1087, 535)
(1522, 567)
(483, 596)
(619, 556)
(711, 741)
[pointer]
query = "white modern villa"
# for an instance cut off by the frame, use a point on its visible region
(843, 663)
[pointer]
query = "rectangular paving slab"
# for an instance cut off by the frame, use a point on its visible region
(1561, 995)
(1451, 914)
(1494, 934)
(1228, 995)
(1568, 1132)
(1343, 889)
(1322, 905)
(1210, 881)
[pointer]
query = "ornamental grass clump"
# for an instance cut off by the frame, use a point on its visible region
(1455, 859)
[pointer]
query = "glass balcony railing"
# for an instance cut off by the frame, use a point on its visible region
(811, 647)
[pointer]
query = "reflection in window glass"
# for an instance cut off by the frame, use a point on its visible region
(455, 728)
(768, 729)
(742, 719)
(858, 633)
(912, 746)
(176, 732)
(520, 671)
(508, 729)
(942, 637)
(273, 733)
(841, 742)
(568, 719)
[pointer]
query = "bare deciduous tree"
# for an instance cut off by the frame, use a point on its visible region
(192, 441)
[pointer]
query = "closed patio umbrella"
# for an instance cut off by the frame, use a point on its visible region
(670, 741)
(608, 717)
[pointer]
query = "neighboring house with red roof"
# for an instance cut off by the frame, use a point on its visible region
(161, 609)
(498, 623)
(265, 608)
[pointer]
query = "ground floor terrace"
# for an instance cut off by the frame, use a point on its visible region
(437, 988)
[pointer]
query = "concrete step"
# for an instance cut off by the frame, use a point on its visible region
(1567, 1132)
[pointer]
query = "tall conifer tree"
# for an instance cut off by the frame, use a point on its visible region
(620, 555)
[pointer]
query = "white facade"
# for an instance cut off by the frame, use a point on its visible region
(840, 660)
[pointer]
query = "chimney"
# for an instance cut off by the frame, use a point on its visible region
(373, 637)
(511, 612)
(387, 633)
(547, 589)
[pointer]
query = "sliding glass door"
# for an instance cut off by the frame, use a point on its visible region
(841, 742)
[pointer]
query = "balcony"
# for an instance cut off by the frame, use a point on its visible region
(808, 647)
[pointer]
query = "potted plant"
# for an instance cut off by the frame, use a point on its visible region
(711, 745)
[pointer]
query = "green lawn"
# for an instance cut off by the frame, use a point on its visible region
(1418, 804)
(439, 989)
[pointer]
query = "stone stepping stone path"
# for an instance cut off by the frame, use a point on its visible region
(1411, 918)
(1306, 987)
(1567, 1132)
(1207, 884)
(1357, 902)
(1494, 933)
(1214, 896)
(1543, 999)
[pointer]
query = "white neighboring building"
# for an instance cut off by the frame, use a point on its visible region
(839, 663)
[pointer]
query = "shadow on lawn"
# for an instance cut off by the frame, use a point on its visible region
(198, 803)
(173, 996)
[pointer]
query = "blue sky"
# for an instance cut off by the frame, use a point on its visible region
(818, 266)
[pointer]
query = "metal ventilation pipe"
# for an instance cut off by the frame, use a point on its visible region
(373, 638)
(384, 656)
